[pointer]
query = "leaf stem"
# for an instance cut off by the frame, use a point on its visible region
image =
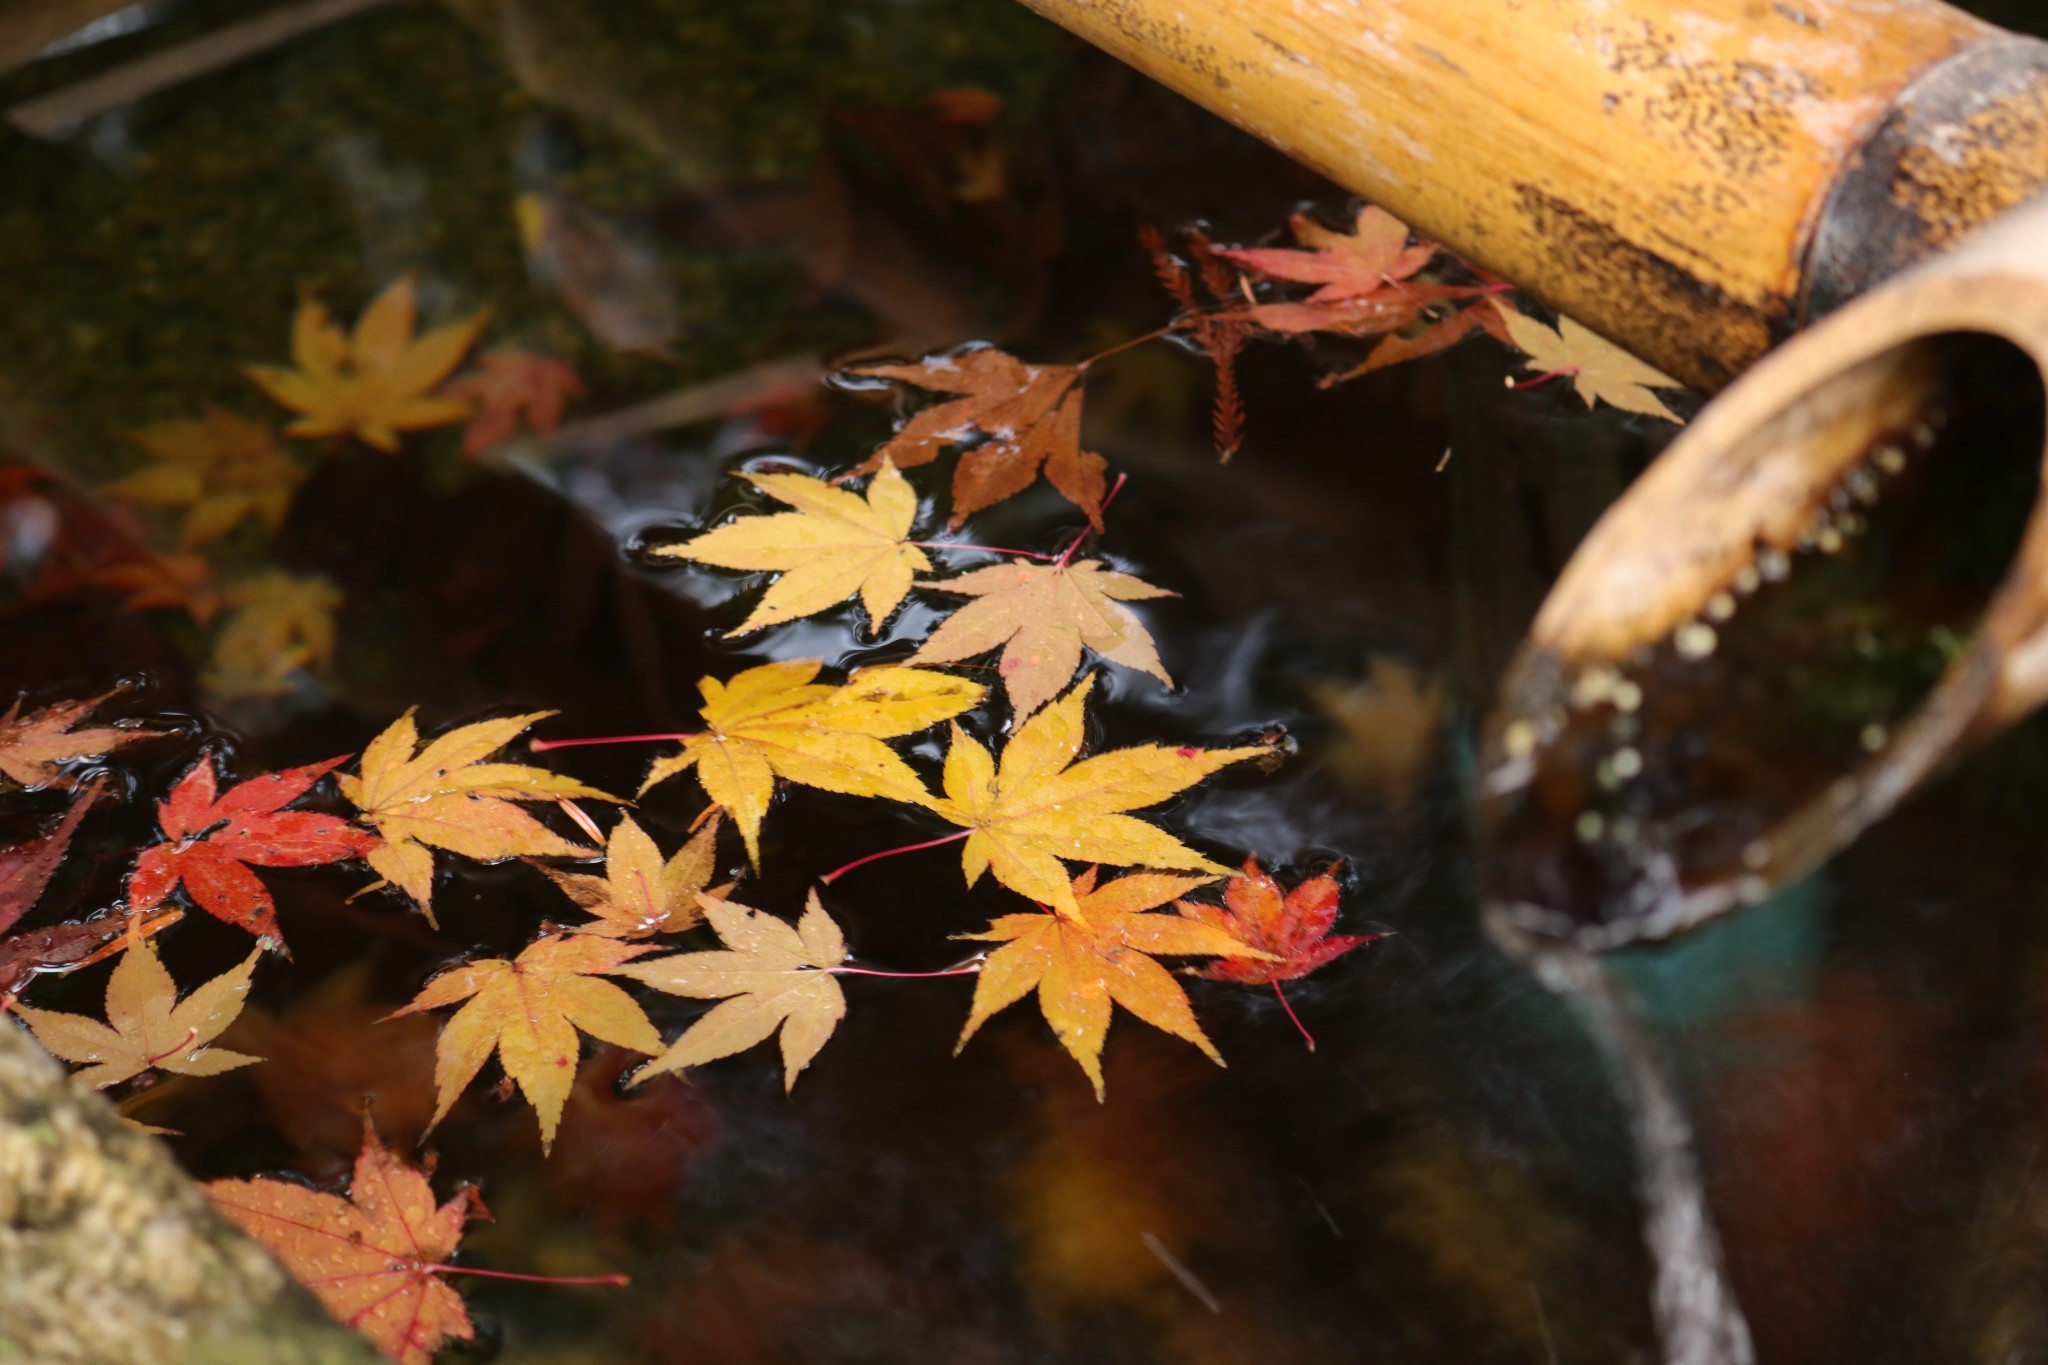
(445, 1269)
(1543, 378)
(1107, 499)
(541, 746)
(965, 969)
(836, 873)
(1300, 1027)
(1122, 346)
(989, 549)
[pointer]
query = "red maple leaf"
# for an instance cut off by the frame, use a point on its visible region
(507, 383)
(1364, 277)
(1293, 926)
(25, 869)
(211, 842)
(374, 1259)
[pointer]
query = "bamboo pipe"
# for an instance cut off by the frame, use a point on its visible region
(1695, 179)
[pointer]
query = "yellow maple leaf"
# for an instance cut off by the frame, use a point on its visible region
(221, 468)
(774, 721)
(1600, 369)
(1042, 615)
(1041, 806)
(372, 383)
(445, 796)
(528, 1010)
(1081, 970)
(639, 895)
(831, 547)
(282, 624)
(768, 976)
(147, 1025)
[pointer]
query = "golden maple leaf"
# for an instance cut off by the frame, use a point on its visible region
(831, 547)
(282, 624)
(528, 1010)
(1600, 369)
(32, 746)
(220, 468)
(773, 721)
(1042, 615)
(1081, 970)
(446, 797)
(639, 895)
(768, 976)
(372, 383)
(147, 1025)
(1041, 806)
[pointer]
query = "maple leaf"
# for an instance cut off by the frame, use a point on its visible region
(212, 839)
(67, 947)
(1600, 370)
(282, 625)
(1027, 419)
(373, 383)
(32, 746)
(1041, 806)
(1082, 969)
(373, 1259)
(1292, 928)
(509, 383)
(153, 582)
(768, 976)
(1359, 264)
(1042, 615)
(528, 1010)
(25, 869)
(446, 797)
(774, 721)
(147, 1025)
(221, 468)
(831, 547)
(639, 895)
(1484, 314)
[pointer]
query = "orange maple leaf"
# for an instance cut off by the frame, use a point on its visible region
(373, 1259)
(372, 383)
(1016, 420)
(509, 383)
(1364, 278)
(32, 746)
(153, 582)
(528, 1010)
(1292, 928)
(1082, 970)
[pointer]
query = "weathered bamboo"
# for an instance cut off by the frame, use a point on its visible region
(1693, 178)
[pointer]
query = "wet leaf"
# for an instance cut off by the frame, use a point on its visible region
(528, 1010)
(221, 468)
(639, 895)
(1043, 615)
(445, 796)
(774, 721)
(282, 625)
(147, 1025)
(25, 869)
(769, 976)
(373, 1258)
(1082, 970)
(213, 839)
(66, 947)
(372, 383)
(33, 746)
(1364, 263)
(506, 385)
(1601, 371)
(1041, 807)
(1018, 421)
(1292, 929)
(833, 546)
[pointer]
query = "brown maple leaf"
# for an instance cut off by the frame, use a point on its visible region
(639, 895)
(528, 1010)
(508, 384)
(25, 869)
(1042, 615)
(1081, 970)
(1015, 420)
(33, 745)
(375, 1258)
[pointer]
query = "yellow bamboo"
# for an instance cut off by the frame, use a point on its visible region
(1689, 177)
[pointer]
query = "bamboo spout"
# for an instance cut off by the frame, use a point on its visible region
(1943, 365)
(1693, 178)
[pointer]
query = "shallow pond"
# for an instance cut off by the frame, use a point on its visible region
(716, 198)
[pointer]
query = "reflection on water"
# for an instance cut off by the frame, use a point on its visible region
(1447, 1178)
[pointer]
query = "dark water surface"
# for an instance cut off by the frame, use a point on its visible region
(1447, 1178)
